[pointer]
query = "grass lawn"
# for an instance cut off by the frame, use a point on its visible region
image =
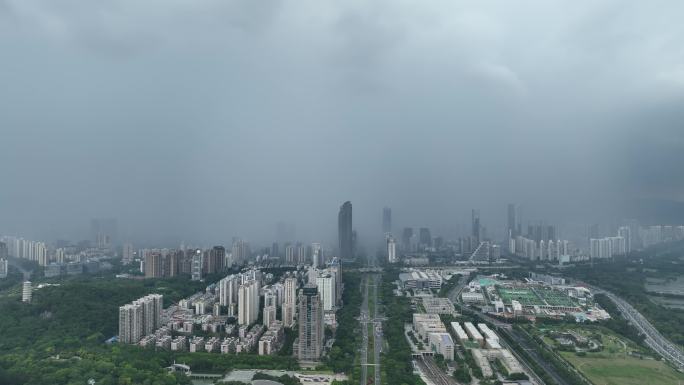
(621, 370)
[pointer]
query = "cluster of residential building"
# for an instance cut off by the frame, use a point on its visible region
(18, 247)
(140, 318)
(243, 313)
(541, 250)
(159, 263)
(57, 261)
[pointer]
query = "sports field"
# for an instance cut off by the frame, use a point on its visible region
(525, 296)
(602, 369)
(555, 297)
(534, 296)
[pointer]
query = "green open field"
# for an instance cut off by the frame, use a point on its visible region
(624, 370)
(612, 365)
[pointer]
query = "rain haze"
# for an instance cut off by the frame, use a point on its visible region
(204, 120)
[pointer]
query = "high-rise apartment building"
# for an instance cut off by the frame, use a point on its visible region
(154, 266)
(130, 323)
(196, 265)
(335, 268)
(311, 333)
(326, 289)
(248, 302)
(391, 250)
(240, 250)
(4, 251)
(140, 318)
(228, 293)
(4, 268)
(300, 252)
(127, 253)
(26, 292)
(344, 229)
(215, 260)
(269, 313)
(290, 254)
(290, 301)
(626, 233)
(316, 255)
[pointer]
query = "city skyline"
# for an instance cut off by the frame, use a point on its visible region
(203, 150)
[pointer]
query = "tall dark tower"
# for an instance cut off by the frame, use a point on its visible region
(476, 226)
(386, 220)
(512, 221)
(344, 230)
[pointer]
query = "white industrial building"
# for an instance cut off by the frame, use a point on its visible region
(424, 324)
(473, 333)
(460, 333)
(443, 344)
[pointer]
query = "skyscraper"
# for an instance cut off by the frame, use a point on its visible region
(316, 255)
(406, 236)
(386, 220)
(310, 341)
(476, 226)
(344, 228)
(512, 223)
(425, 238)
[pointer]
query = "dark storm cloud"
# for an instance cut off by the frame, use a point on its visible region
(203, 120)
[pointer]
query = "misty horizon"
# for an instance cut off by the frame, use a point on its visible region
(200, 122)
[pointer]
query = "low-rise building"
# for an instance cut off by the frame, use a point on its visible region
(472, 297)
(196, 344)
(460, 333)
(420, 279)
(482, 362)
(438, 305)
(473, 333)
(178, 344)
(443, 344)
(424, 324)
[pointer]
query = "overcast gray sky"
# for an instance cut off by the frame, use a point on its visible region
(203, 120)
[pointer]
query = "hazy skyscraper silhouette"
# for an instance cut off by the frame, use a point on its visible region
(476, 226)
(386, 220)
(344, 229)
(511, 228)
